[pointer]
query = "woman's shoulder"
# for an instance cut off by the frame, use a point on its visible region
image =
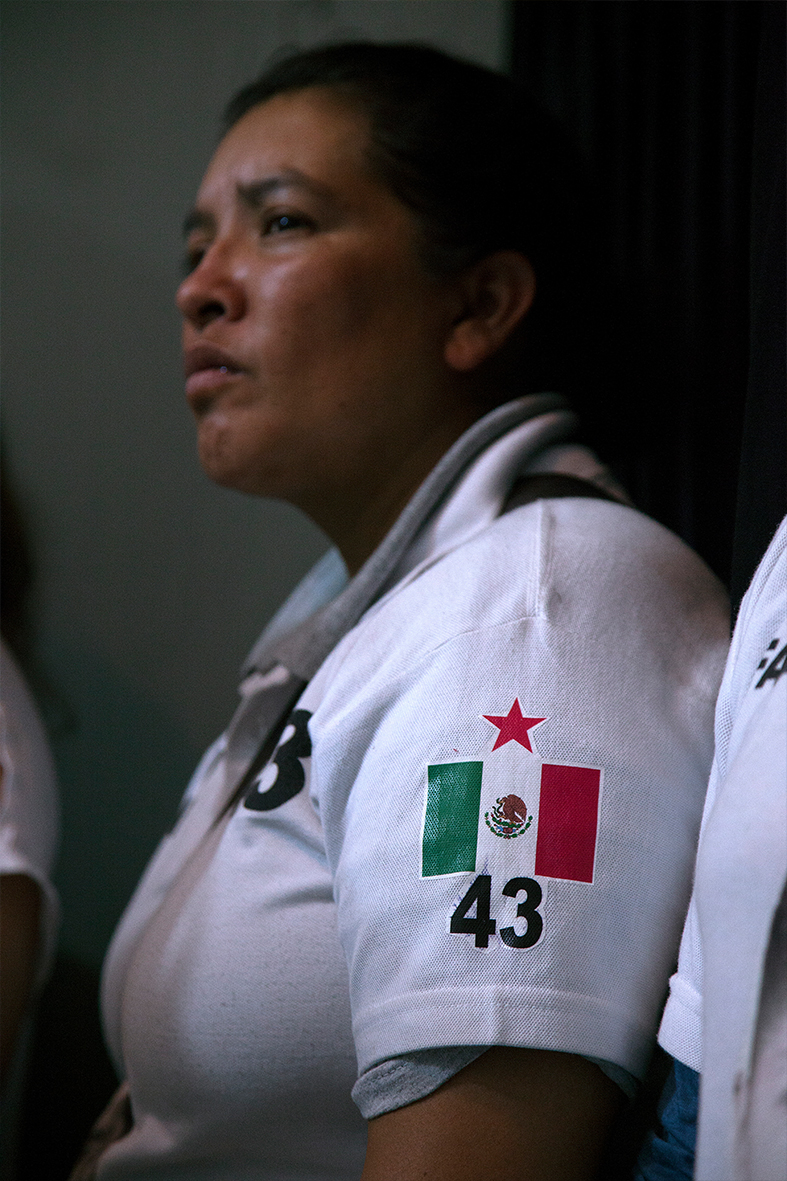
(563, 570)
(557, 559)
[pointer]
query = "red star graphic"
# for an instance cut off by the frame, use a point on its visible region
(513, 727)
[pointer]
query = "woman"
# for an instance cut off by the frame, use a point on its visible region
(440, 857)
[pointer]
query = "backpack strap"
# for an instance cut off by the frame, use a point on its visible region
(547, 485)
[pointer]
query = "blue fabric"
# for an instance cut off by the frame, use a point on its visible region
(668, 1154)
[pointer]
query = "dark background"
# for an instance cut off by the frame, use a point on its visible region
(678, 109)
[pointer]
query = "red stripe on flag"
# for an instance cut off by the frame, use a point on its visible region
(567, 822)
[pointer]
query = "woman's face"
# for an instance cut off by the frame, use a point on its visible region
(313, 337)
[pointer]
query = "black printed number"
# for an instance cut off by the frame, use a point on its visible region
(525, 910)
(480, 925)
(290, 776)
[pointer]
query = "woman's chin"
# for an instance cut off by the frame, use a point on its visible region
(220, 464)
(229, 469)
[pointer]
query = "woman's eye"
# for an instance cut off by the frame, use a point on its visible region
(279, 222)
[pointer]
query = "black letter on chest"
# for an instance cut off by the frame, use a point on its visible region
(290, 776)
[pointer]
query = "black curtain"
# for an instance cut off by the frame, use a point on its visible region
(763, 478)
(667, 101)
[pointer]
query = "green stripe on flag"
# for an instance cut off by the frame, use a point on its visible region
(451, 822)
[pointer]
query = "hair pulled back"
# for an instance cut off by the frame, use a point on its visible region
(478, 162)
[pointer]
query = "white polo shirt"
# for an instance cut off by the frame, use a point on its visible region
(477, 828)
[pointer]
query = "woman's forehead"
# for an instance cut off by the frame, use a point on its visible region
(303, 134)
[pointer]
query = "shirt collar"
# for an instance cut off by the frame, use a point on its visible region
(462, 494)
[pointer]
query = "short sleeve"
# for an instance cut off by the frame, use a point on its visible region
(509, 761)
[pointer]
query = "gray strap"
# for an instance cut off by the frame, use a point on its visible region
(548, 485)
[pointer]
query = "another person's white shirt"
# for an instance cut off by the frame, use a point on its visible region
(726, 1016)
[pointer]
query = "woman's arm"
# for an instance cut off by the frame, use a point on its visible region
(511, 1115)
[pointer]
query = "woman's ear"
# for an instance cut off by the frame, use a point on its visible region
(497, 293)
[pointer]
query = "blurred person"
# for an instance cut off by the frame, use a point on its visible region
(29, 811)
(28, 838)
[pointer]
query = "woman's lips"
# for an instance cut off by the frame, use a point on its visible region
(207, 369)
(208, 380)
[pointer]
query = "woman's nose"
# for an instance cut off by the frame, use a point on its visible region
(213, 290)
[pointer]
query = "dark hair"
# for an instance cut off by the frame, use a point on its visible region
(480, 164)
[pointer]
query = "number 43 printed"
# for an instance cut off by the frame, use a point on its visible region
(482, 925)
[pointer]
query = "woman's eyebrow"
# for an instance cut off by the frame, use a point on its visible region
(255, 193)
(197, 219)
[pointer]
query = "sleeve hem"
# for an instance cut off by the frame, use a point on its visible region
(502, 1017)
(681, 1026)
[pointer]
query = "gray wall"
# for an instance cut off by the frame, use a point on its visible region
(152, 583)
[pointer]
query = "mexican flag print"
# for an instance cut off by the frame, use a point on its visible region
(547, 811)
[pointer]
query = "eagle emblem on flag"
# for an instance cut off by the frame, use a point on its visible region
(509, 817)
